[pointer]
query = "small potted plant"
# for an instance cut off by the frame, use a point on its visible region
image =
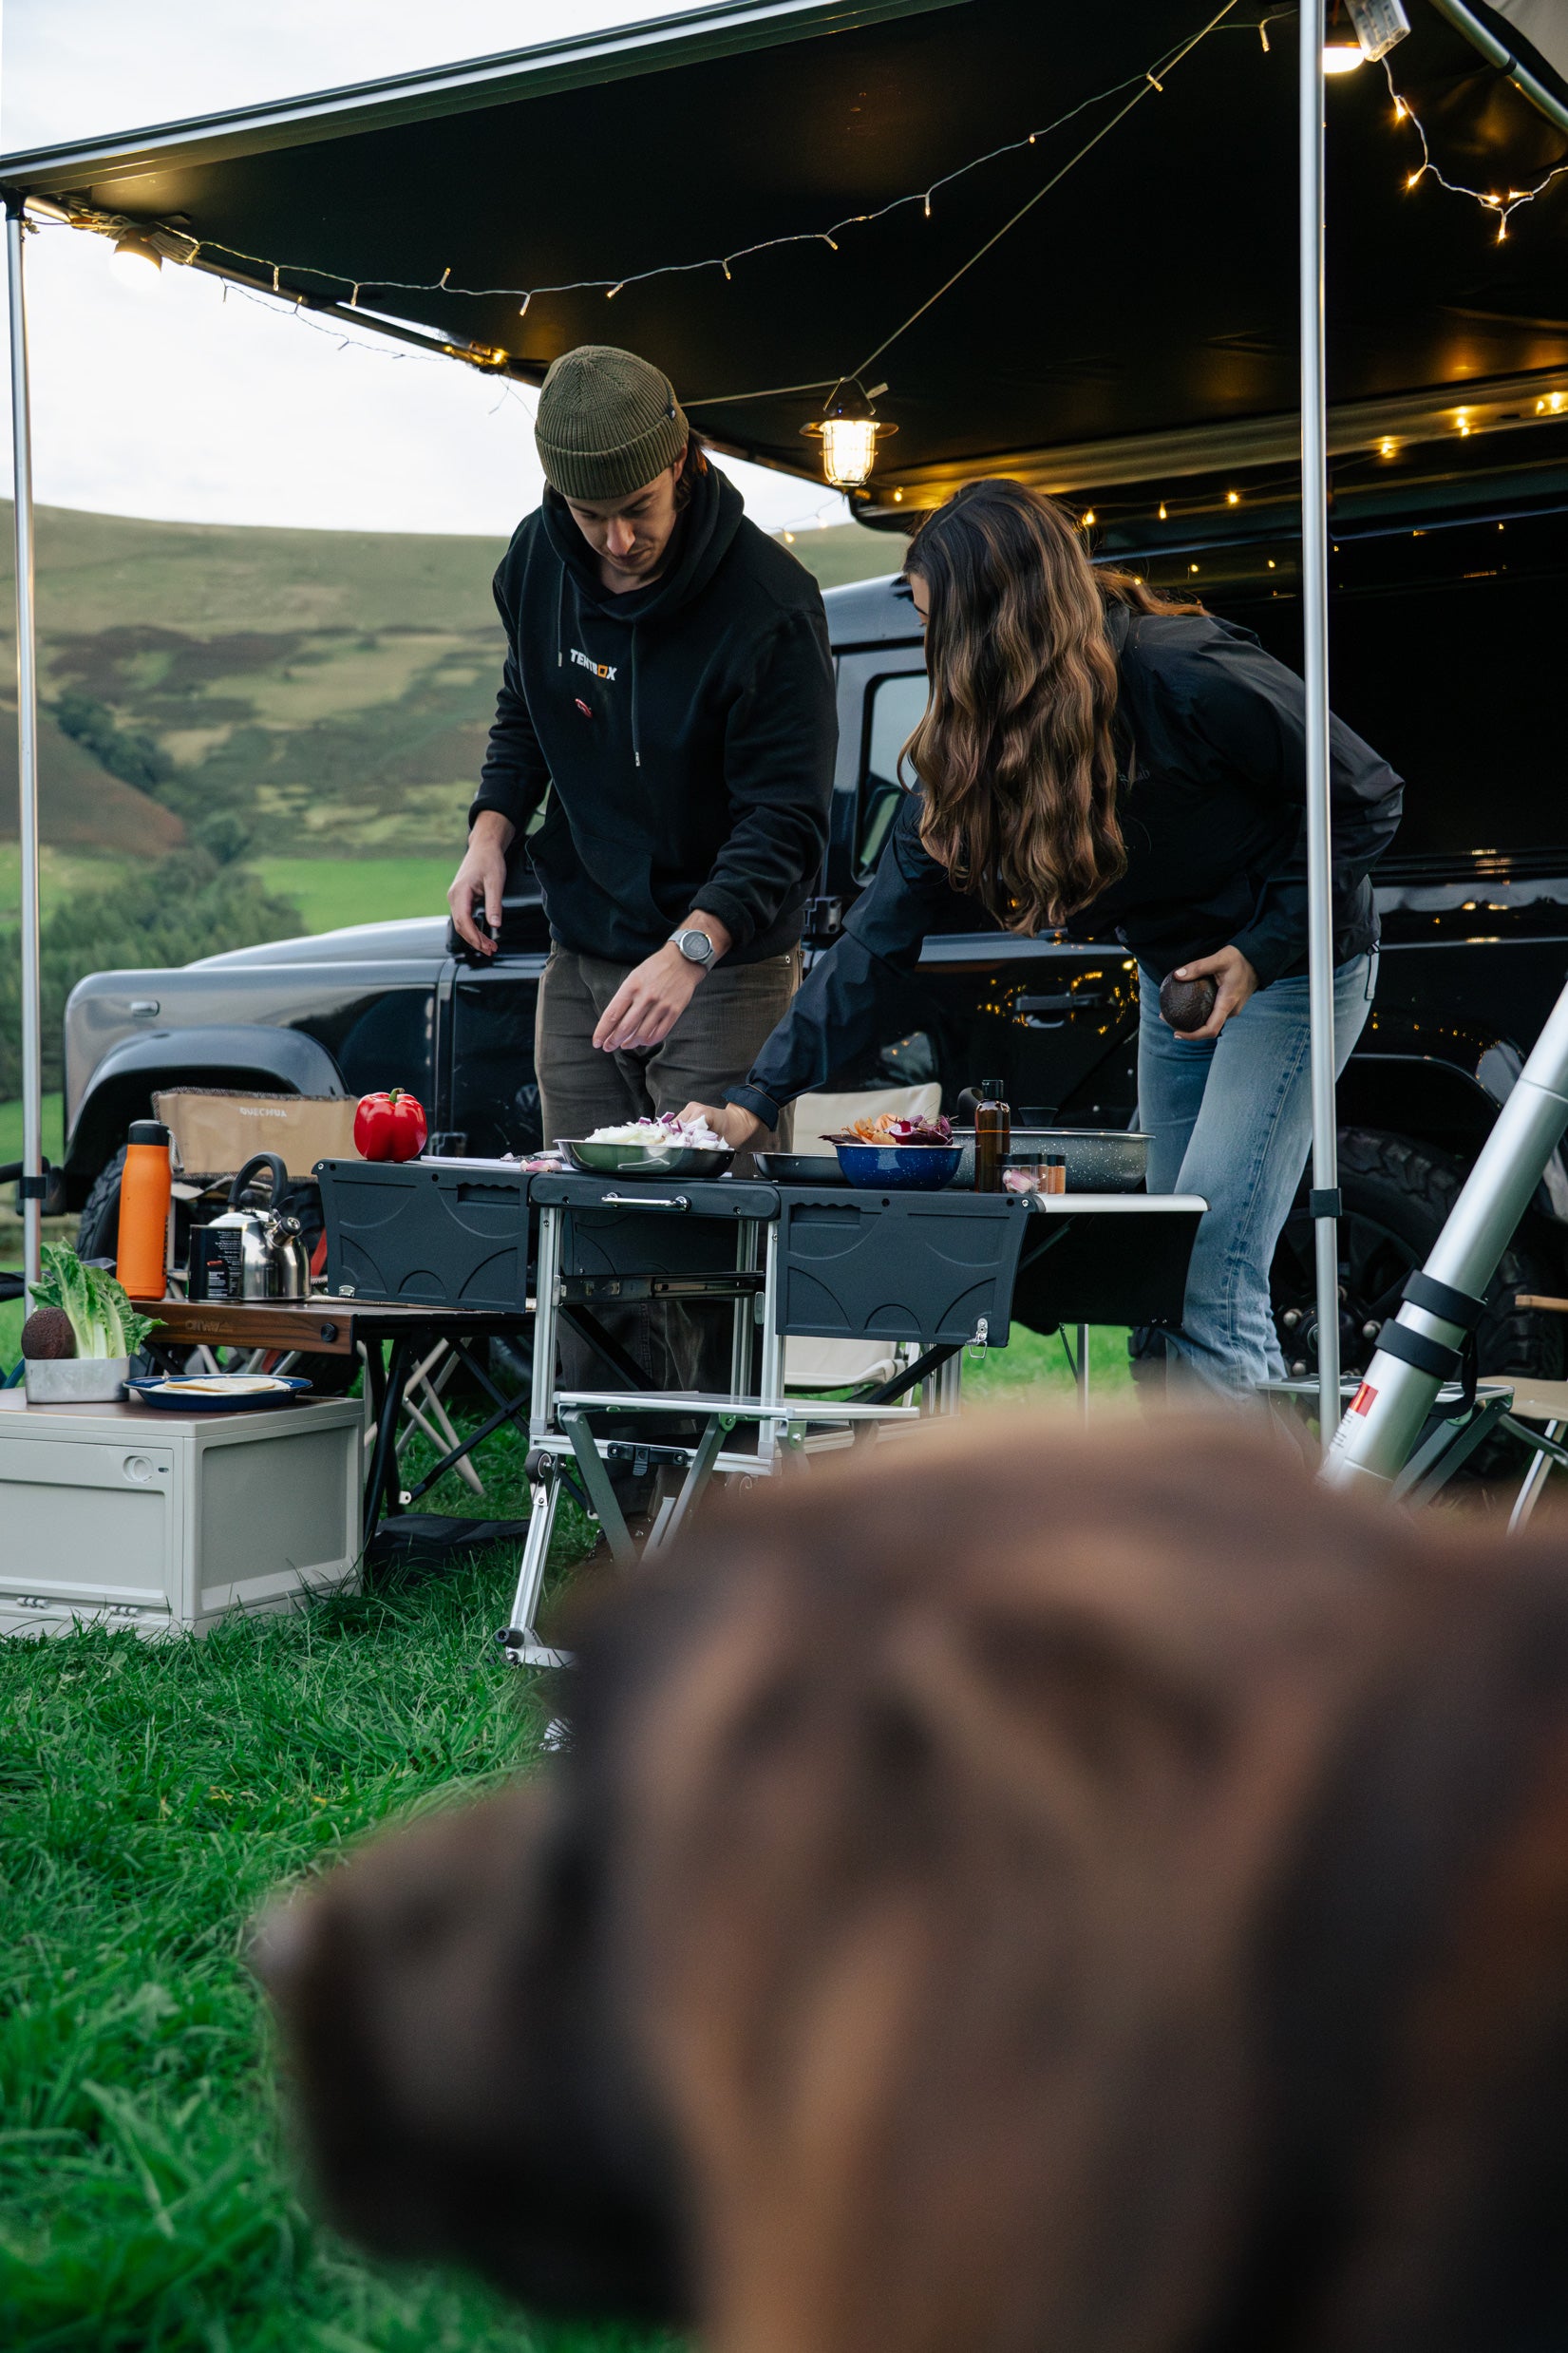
(77, 1343)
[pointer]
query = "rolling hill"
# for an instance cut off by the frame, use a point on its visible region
(329, 691)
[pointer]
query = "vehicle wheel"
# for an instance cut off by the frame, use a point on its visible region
(1398, 1194)
(98, 1228)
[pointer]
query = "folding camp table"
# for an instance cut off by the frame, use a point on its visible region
(941, 1270)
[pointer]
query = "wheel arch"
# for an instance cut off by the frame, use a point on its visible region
(122, 1084)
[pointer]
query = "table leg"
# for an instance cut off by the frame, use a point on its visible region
(546, 1302)
(697, 1476)
(519, 1638)
(384, 1456)
(1081, 1367)
(596, 1478)
(1535, 1478)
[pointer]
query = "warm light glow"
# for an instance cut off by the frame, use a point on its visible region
(789, 539)
(1401, 110)
(1461, 418)
(1386, 448)
(1192, 567)
(1233, 498)
(1271, 564)
(141, 263)
(849, 450)
(1342, 56)
(1088, 517)
(1162, 510)
(897, 498)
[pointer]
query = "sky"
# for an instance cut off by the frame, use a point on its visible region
(176, 402)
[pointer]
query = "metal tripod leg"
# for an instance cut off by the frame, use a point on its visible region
(1390, 1407)
(1547, 1451)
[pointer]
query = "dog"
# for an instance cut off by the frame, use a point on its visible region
(1022, 1889)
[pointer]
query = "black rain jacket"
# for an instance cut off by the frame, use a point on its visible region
(685, 732)
(1212, 809)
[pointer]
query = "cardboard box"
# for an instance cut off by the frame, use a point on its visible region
(215, 1132)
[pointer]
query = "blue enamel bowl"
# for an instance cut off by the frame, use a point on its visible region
(910, 1167)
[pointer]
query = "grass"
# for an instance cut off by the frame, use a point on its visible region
(330, 892)
(153, 1795)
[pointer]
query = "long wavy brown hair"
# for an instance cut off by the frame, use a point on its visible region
(1016, 751)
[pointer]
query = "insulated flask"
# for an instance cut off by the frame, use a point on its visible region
(144, 1188)
(993, 1136)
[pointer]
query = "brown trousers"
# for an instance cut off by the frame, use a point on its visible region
(712, 1046)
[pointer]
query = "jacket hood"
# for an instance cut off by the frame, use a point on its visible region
(704, 533)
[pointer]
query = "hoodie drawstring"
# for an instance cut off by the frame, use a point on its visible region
(561, 619)
(636, 746)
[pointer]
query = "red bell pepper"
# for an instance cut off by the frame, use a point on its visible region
(389, 1126)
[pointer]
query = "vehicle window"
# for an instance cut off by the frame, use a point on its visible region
(495, 1096)
(896, 704)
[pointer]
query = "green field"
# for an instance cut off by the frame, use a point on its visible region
(334, 891)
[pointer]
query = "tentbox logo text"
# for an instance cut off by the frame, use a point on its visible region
(601, 670)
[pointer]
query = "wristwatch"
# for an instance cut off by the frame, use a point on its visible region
(695, 945)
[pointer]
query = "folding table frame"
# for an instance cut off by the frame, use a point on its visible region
(1143, 1277)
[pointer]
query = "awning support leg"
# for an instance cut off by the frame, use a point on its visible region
(27, 728)
(1315, 612)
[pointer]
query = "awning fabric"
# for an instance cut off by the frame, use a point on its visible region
(1151, 295)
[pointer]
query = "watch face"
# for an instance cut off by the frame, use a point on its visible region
(696, 946)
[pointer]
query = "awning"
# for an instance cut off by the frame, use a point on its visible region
(1141, 316)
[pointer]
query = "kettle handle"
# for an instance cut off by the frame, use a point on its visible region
(259, 1159)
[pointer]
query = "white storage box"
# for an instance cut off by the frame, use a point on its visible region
(167, 1521)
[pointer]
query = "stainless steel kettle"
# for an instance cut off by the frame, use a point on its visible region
(252, 1253)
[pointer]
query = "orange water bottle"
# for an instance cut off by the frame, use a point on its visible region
(144, 1188)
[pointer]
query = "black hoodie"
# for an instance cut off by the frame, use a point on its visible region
(687, 729)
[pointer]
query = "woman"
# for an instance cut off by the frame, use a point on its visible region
(1093, 749)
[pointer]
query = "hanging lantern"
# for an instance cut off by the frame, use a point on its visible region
(848, 432)
(137, 258)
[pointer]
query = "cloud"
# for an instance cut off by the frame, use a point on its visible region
(175, 402)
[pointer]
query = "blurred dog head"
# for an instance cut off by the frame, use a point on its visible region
(1022, 1890)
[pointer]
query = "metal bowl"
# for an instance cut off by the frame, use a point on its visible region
(1099, 1160)
(648, 1160)
(902, 1168)
(801, 1168)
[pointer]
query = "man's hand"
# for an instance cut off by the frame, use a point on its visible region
(652, 998)
(1236, 981)
(648, 1002)
(482, 874)
(732, 1120)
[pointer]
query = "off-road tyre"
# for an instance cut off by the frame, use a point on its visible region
(1398, 1195)
(98, 1227)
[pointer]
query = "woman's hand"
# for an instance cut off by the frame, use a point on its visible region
(732, 1120)
(1235, 979)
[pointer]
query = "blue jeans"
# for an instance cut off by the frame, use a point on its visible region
(1230, 1118)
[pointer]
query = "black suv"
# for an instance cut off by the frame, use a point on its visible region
(1448, 632)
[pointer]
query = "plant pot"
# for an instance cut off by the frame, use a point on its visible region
(76, 1380)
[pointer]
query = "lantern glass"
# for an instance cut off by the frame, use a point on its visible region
(849, 450)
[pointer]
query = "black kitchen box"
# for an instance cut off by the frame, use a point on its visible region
(437, 1232)
(933, 1268)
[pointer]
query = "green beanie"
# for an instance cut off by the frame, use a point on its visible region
(607, 423)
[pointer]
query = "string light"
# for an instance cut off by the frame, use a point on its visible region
(1088, 518)
(1233, 498)
(1502, 207)
(1162, 516)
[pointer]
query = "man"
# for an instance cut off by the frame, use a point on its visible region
(669, 684)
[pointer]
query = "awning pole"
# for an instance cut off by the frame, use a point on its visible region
(26, 768)
(1315, 613)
